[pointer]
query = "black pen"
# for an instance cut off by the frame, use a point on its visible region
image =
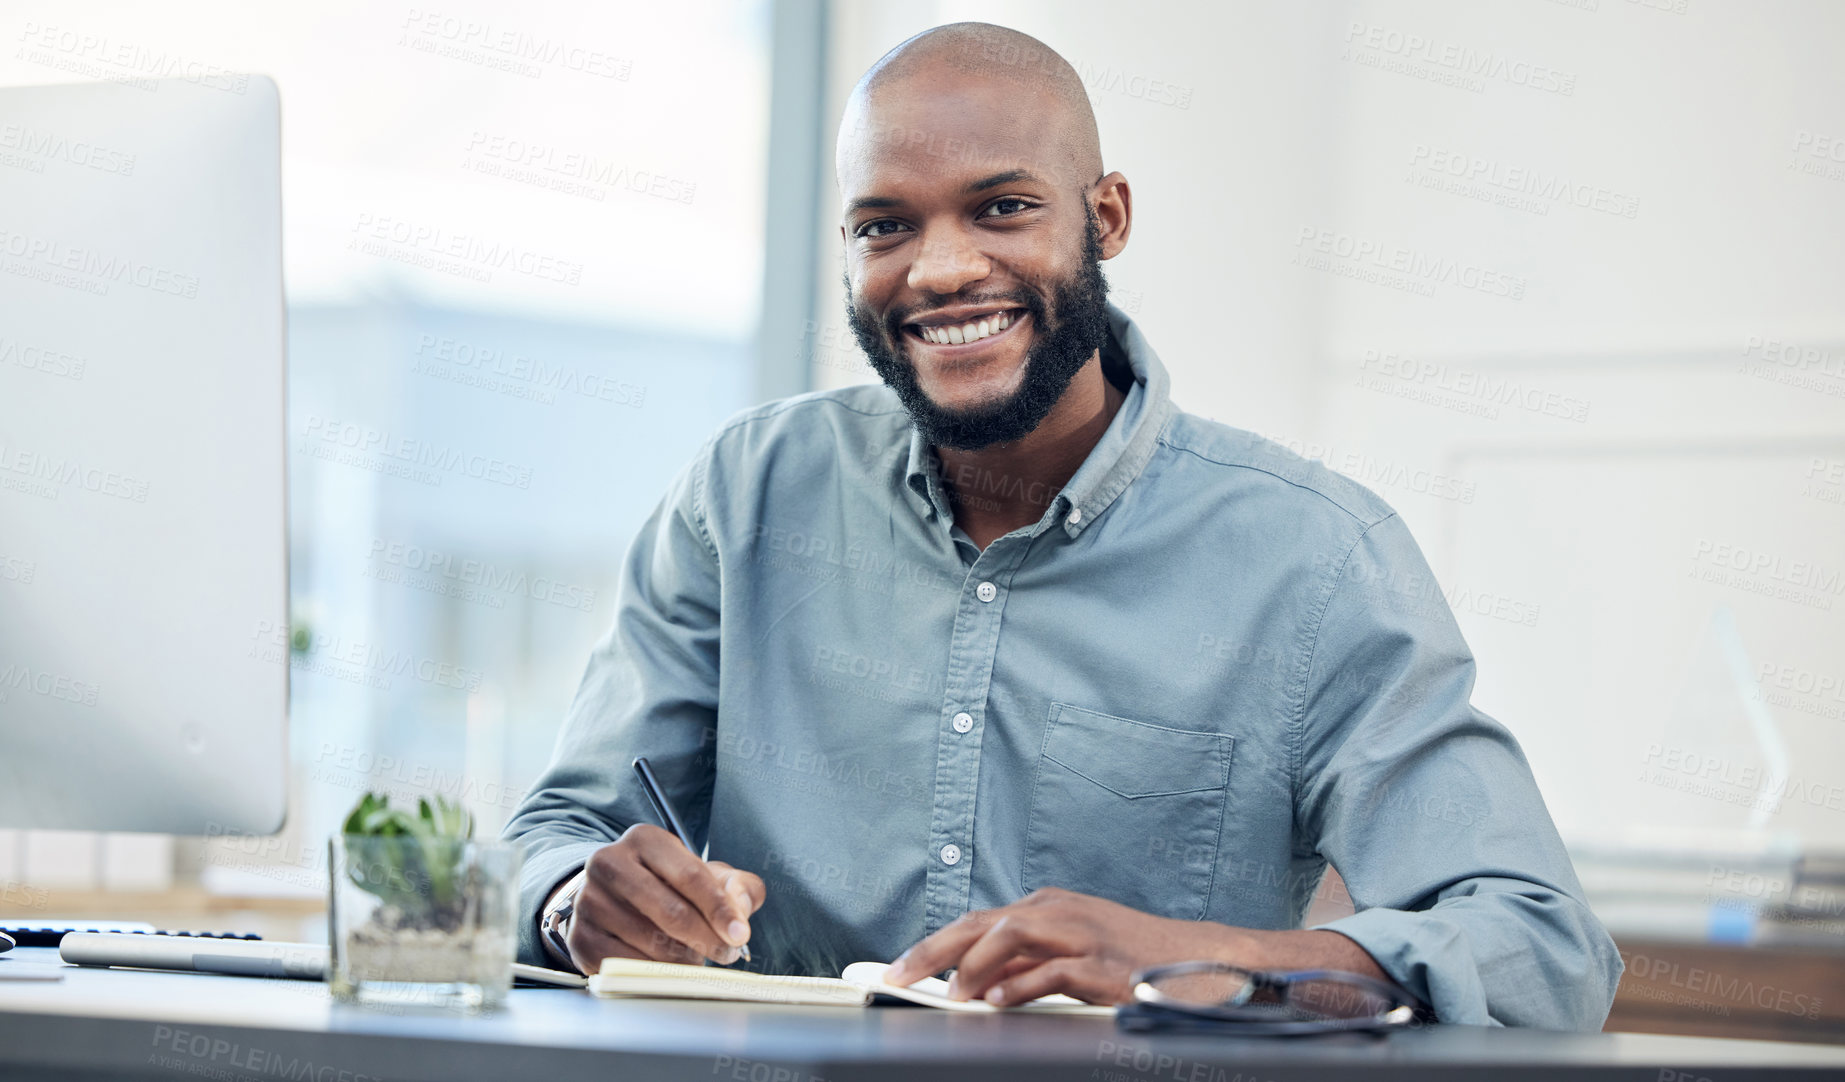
(657, 797)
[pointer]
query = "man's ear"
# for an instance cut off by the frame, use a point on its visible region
(1114, 212)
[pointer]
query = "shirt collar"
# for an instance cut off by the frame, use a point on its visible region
(1115, 460)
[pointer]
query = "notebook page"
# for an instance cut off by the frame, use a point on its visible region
(933, 992)
(636, 978)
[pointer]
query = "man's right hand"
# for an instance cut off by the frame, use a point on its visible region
(648, 896)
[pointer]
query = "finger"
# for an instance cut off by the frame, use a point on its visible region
(589, 944)
(941, 950)
(675, 916)
(1023, 934)
(608, 899)
(1079, 977)
(621, 917)
(740, 902)
(697, 883)
(745, 887)
(1015, 967)
(639, 936)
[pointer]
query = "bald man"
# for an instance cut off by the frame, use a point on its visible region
(1011, 668)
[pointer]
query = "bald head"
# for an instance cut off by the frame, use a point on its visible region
(962, 64)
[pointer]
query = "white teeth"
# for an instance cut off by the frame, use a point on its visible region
(968, 332)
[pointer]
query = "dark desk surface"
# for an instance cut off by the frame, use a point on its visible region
(129, 1024)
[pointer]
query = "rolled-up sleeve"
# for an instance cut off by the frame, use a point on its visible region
(651, 688)
(1428, 809)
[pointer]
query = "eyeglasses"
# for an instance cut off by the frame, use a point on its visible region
(1219, 998)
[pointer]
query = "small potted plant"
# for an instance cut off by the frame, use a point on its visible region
(417, 909)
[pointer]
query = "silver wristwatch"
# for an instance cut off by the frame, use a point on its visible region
(554, 923)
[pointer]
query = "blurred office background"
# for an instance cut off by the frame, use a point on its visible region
(1560, 279)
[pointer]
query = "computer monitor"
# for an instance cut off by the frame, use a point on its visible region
(143, 558)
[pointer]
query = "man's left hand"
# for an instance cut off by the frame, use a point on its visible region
(1052, 941)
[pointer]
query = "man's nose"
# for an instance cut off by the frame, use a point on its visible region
(946, 261)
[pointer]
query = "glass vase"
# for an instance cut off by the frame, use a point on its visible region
(421, 921)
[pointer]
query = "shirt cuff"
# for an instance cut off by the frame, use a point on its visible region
(544, 870)
(1424, 953)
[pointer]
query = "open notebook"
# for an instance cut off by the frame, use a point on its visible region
(861, 983)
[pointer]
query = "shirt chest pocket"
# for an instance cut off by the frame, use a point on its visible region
(1128, 811)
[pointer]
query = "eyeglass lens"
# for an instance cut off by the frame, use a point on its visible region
(1318, 998)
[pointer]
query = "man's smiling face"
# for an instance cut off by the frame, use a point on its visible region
(973, 272)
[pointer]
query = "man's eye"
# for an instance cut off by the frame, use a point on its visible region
(1017, 205)
(879, 228)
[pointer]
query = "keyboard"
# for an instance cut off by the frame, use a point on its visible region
(51, 933)
(207, 954)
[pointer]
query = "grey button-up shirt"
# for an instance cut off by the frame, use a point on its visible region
(1208, 670)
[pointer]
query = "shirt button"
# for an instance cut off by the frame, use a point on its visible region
(1076, 516)
(951, 854)
(963, 722)
(986, 591)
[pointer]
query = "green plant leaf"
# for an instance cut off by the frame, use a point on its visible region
(415, 862)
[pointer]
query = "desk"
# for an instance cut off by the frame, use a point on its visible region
(126, 1024)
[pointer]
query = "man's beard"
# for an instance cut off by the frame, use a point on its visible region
(1059, 352)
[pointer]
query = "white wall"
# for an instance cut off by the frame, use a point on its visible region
(1565, 390)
